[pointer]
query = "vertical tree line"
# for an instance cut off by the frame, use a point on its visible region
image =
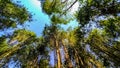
(94, 43)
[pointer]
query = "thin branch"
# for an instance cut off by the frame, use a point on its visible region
(71, 5)
(68, 8)
(64, 1)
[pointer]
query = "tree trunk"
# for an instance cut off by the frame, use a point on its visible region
(58, 55)
(67, 57)
(78, 59)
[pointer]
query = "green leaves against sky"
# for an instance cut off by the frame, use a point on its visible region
(89, 45)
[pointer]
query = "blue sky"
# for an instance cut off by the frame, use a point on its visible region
(39, 18)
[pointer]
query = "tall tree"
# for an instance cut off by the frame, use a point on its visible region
(104, 40)
(12, 14)
(83, 47)
(51, 35)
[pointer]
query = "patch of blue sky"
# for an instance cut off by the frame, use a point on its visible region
(39, 18)
(13, 64)
(52, 58)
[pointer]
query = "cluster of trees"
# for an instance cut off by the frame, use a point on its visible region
(84, 46)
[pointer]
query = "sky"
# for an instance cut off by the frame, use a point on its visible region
(39, 18)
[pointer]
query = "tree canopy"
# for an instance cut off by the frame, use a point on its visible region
(94, 43)
(12, 14)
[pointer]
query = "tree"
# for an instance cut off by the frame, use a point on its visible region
(52, 32)
(21, 37)
(58, 15)
(84, 46)
(27, 50)
(21, 44)
(12, 15)
(3, 45)
(103, 39)
(91, 11)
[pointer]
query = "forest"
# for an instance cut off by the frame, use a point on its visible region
(93, 43)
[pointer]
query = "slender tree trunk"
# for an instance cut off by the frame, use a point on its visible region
(35, 62)
(58, 55)
(67, 57)
(78, 60)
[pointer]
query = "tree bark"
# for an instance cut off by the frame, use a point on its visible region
(67, 57)
(58, 55)
(79, 61)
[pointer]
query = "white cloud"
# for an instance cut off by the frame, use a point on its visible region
(36, 3)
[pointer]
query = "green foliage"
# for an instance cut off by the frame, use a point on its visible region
(51, 6)
(102, 48)
(92, 8)
(3, 45)
(111, 26)
(57, 20)
(12, 15)
(44, 63)
(98, 47)
(102, 39)
(99, 39)
(22, 35)
(57, 14)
